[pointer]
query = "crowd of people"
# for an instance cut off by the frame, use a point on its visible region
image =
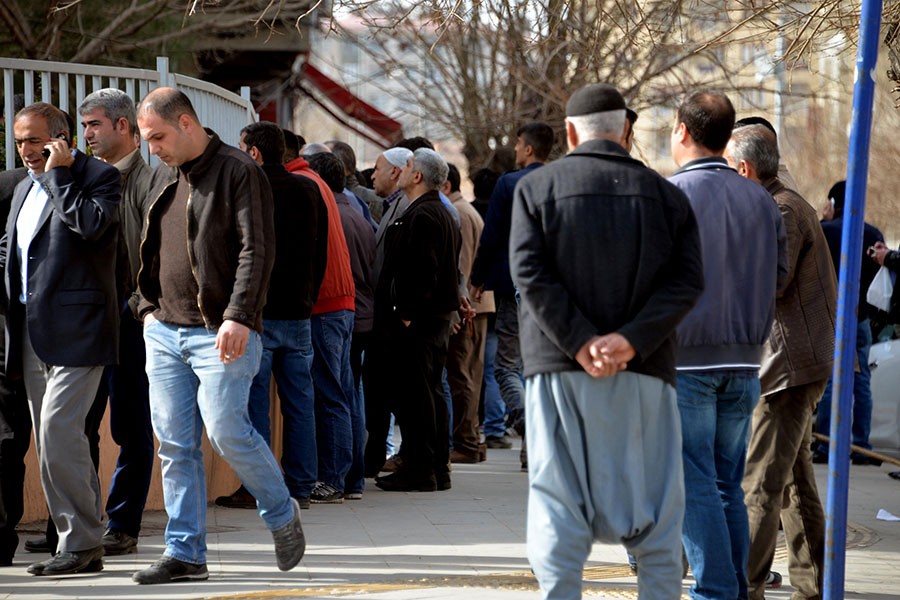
(585, 304)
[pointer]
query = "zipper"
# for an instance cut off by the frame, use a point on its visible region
(187, 225)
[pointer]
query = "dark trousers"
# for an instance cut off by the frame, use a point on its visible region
(378, 372)
(15, 437)
(420, 352)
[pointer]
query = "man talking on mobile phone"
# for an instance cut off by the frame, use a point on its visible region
(59, 272)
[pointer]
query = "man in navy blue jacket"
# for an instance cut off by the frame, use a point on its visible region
(720, 342)
(491, 272)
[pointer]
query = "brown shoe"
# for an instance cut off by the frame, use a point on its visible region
(392, 464)
(482, 452)
(461, 457)
(241, 498)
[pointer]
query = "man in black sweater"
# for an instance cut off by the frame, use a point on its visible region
(301, 235)
(606, 256)
(415, 296)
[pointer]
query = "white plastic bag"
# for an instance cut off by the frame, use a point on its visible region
(881, 289)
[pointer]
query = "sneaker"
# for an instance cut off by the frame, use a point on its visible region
(498, 441)
(325, 494)
(68, 563)
(392, 464)
(39, 545)
(241, 498)
(116, 542)
(773, 579)
(168, 569)
(352, 495)
(290, 543)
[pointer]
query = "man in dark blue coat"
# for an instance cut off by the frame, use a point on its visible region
(60, 284)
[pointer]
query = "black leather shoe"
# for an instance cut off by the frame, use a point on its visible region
(116, 542)
(67, 563)
(402, 482)
(241, 498)
(38, 545)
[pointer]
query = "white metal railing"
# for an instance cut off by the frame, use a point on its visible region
(66, 84)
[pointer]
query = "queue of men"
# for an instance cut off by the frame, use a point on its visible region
(641, 375)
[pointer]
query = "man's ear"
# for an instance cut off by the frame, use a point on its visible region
(681, 132)
(571, 136)
(121, 124)
(185, 122)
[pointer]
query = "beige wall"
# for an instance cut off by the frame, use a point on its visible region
(220, 479)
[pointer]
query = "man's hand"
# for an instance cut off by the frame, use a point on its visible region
(405, 322)
(60, 155)
(231, 341)
(465, 310)
(148, 319)
(476, 292)
(878, 252)
(605, 355)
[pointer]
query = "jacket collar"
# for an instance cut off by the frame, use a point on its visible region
(707, 162)
(429, 196)
(130, 162)
(774, 186)
(206, 160)
(603, 149)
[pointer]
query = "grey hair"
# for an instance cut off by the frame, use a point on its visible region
(115, 103)
(55, 118)
(314, 148)
(598, 125)
(432, 166)
(756, 145)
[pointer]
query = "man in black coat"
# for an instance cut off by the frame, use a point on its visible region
(60, 284)
(415, 296)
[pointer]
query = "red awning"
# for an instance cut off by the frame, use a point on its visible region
(331, 95)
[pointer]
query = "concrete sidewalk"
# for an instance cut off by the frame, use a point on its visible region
(464, 543)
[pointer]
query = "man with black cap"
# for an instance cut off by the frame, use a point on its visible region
(862, 392)
(606, 256)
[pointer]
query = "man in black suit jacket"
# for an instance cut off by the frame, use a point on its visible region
(62, 318)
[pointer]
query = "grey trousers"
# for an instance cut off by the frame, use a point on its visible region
(604, 464)
(60, 398)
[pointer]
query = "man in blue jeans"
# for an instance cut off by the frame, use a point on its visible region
(720, 342)
(862, 391)
(206, 260)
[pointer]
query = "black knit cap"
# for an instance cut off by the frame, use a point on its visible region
(594, 98)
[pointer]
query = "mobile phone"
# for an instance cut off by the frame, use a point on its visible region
(61, 136)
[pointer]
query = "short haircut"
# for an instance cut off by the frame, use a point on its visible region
(484, 181)
(266, 137)
(291, 145)
(539, 136)
(432, 167)
(756, 145)
(169, 105)
(345, 153)
(314, 148)
(414, 143)
(57, 120)
(330, 169)
(116, 105)
(453, 177)
(755, 120)
(598, 125)
(365, 177)
(708, 117)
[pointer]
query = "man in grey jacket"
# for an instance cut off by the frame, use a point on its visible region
(720, 341)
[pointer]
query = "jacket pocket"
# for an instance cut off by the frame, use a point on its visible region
(70, 297)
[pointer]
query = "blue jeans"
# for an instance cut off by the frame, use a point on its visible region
(189, 388)
(494, 409)
(862, 395)
(333, 381)
(715, 413)
(508, 360)
(288, 353)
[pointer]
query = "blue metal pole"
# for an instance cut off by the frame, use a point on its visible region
(848, 298)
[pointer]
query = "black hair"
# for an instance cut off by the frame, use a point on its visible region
(330, 169)
(484, 181)
(266, 137)
(746, 121)
(414, 143)
(453, 177)
(709, 118)
(837, 193)
(539, 136)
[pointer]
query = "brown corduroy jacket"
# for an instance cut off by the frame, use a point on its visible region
(800, 349)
